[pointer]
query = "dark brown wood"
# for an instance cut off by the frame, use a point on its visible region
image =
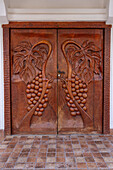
(56, 25)
(33, 81)
(7, 94)
(1, 134)
(7, 66)
(111, 131)
(80, 85)
(106, 101)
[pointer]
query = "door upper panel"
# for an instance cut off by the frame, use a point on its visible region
(80, 80)
(34, 81)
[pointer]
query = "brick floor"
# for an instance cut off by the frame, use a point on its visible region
(64, 152)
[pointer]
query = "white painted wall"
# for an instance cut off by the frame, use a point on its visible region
(57, 10)
(111, 81)
(1, 82)
(56, 4)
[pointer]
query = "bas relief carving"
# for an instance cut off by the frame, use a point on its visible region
(83, 63)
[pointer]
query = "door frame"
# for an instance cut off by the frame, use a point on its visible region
(69, 25)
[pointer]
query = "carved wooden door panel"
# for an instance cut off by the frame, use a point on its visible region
(34, 81)
(80, 80)
(56, 80)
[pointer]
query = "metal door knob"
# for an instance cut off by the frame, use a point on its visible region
(59, 75)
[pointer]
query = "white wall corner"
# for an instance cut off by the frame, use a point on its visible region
(109, 6)
(111, 81)
(3, 12)
(3, 20)
(1, 81)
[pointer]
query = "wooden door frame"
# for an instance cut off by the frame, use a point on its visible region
(7, 65)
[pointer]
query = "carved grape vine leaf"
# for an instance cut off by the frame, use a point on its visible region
(19, 56)
(85, 59)
(28, 59)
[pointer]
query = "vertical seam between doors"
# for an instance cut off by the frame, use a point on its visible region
(94, 98)
(57, 80)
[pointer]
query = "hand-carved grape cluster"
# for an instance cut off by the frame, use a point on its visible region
(34, 91)
(79, 91)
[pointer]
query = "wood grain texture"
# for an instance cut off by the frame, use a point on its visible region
(56, 25)
(111, 131)
(7, 68)
(1, 134)
(106, 102)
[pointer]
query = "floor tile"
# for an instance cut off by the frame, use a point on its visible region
(80, 159)
(19, 165)
(57, 152)
(50, 165)
(110, 165)
(40, 165)
(31, 159)
(89, 159)
(60, 159)
(60, 165)
(81, 165)
(29, 165)
(102, 165)
(91, 165)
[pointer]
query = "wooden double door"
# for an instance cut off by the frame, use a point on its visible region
(56, 81)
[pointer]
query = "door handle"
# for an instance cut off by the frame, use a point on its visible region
(60, 73)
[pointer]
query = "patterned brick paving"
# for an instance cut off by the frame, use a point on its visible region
(64, 152)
